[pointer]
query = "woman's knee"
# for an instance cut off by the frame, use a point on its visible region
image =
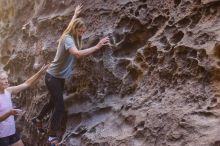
(18, 143)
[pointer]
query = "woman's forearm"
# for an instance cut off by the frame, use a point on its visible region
(5, 116)
(29, 82)
(34, 78)
(83, 53)
(88, 51)
(73, 18)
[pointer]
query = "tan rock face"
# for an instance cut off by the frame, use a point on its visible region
(157, 86)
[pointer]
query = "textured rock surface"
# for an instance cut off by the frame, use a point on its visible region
(157, 86)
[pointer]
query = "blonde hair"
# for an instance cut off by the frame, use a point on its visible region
(71, 29)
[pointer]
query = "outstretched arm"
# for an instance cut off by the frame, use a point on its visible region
(81, 53)
(77, 12)
(29, 82)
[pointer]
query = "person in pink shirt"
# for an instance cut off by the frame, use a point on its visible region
(8, 134)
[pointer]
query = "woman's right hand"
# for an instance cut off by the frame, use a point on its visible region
(103, 42)
(44, 68)
(15, 111)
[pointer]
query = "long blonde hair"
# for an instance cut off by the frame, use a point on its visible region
(71, 29)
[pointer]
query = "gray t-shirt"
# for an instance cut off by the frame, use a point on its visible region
(61, 66)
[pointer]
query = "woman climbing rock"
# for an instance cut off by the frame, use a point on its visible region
(69, 49)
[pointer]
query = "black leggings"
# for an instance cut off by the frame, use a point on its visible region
(56, 103)
(9, 140)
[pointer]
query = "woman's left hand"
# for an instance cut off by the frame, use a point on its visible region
(77, 10)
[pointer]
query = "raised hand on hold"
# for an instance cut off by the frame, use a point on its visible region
(103, 42)
(77, 11)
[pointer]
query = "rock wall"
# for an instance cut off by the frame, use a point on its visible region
(158, 85)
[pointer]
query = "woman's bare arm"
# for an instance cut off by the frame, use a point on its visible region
(29, 82)
(81, 53)
(77, 12)
(8, 114)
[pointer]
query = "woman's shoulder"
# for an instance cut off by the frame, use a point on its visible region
(7, 91)
(68, 38)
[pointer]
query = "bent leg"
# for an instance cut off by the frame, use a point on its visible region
(58, 112)
(18, 143)
(46, 109)
(14, 140)
(4, 141)
(55, 87)
(49, 105)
